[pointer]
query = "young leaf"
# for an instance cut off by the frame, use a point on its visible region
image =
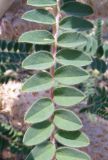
(39, 16)
(74, 139)
(70, 75)
(67, 120)
(46, 150)
(38, 133)
(40, 111)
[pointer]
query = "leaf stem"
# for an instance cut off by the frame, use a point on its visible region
(55, 31)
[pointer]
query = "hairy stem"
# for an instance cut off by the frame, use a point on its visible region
(55, 30)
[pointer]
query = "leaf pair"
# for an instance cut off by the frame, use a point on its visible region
(73, 8)
(42, 60)
(47, 151)
(69, 23)
(43, 109)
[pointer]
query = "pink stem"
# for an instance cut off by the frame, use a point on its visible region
(54, 46)
(55, 31)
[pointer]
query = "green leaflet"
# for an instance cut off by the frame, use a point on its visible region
(38, 61)
(43, 3)
(74, 139)
(67, 120)
(71, 40)
(65, 153)
(38, 82)
(40, 111)
(39, 16)
(73, 57)
(38, 133)
(67, 96)
(77, 9)
(37, 37)
(70, 75)
(72, 24)
(44, 151)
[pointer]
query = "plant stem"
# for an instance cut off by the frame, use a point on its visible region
(55, 31)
